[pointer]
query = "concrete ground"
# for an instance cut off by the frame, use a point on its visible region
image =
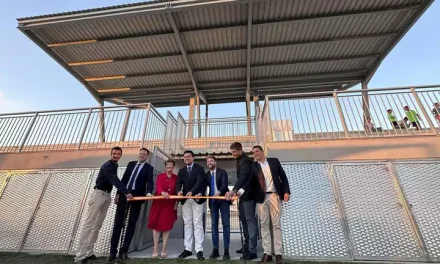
(175, 247)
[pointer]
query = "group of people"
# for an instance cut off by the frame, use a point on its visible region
(261, 187)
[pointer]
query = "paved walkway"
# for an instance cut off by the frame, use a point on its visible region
(175, 247)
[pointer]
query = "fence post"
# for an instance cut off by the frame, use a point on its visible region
(341, 115)
(28, 131)
(407, 208)
(425, 114)
(124, 127)
(270, 134)
(144, 132)
(84, 129)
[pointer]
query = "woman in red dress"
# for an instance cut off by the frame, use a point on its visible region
(163, 213)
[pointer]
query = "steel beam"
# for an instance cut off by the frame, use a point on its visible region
(248, 62)
(247, 67)
(185, 55)
(225, 50)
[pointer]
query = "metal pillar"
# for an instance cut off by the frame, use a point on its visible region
(101, 122)
(248, 113)
(199, 127)
(192, 102)
(365, 101)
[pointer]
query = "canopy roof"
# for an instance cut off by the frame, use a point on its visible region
(165, 52)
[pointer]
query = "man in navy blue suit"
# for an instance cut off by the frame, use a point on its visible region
(217, 180)
(138, 179)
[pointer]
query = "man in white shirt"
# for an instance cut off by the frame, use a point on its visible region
(272, 188)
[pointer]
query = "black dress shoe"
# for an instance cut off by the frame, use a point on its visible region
(91, 257)
(185, 254)
(266, 258)
(110, 259)
(249, 256)
(124, 256)
(226, 255)
(242, 250)
(279, 259)
(214, 254)
(200, 255)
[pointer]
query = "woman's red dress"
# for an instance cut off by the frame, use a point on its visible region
(162, 214)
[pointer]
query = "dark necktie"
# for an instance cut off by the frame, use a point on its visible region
(189, 170)
(212, 186)
(130, 184)
(261, 180)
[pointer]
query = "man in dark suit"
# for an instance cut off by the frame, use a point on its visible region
(217, 180)
(245, 189)
(191, 182)
(138, 179)
(272, 188)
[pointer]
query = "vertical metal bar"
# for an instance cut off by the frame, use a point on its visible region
(341, 115)
(28, 131)
(425, 114)
(80, 211)
(124, 127)
(31, 220)
(270, 134)
(407, 207)
(101, 123)
(81, 137)
(341, 211)
(144, 130)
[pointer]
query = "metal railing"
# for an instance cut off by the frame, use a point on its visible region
(208, 135)
(83, 128)
(351, 114)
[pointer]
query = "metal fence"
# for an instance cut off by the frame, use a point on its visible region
(348, 114)
(370, 210)
(208, 135)
(87, 128)
(38, 216)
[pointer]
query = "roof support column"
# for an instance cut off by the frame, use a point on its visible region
(192, 102)
(248, 68)
(199, 127)
(101, 121)
(206, 120)
(365, 101)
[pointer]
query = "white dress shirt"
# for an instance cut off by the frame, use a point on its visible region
(270, 187)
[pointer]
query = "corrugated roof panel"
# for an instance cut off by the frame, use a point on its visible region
(144, 81)
(218, 59)
(288, 9)
(215, 39)
(106, 28)
(308, 68)
(221, 75)
(315, 51)
(336, 27)
(122, 49)
(133, 67)
(209, 17)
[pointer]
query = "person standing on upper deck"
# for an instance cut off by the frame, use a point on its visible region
(191, 182)
(272, 188)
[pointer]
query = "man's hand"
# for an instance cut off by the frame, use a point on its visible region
(286, 197)
(229, 195)
(116, 200)
(189, 194)
(129, 196)
(166, 195)
(199, 194)
(217, 194)
(149, 195)
(180, 193)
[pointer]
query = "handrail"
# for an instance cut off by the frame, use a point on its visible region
(75, 109)
(330, 93)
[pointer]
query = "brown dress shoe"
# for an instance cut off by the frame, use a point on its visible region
(279, 259)
(266, 258)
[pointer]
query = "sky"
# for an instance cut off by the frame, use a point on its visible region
(28, 75)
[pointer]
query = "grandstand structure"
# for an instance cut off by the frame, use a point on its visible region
(362, 187)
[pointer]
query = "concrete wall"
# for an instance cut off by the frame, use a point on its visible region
(357, 149)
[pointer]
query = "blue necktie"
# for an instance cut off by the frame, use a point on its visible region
(212, 186)
(130, 184)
